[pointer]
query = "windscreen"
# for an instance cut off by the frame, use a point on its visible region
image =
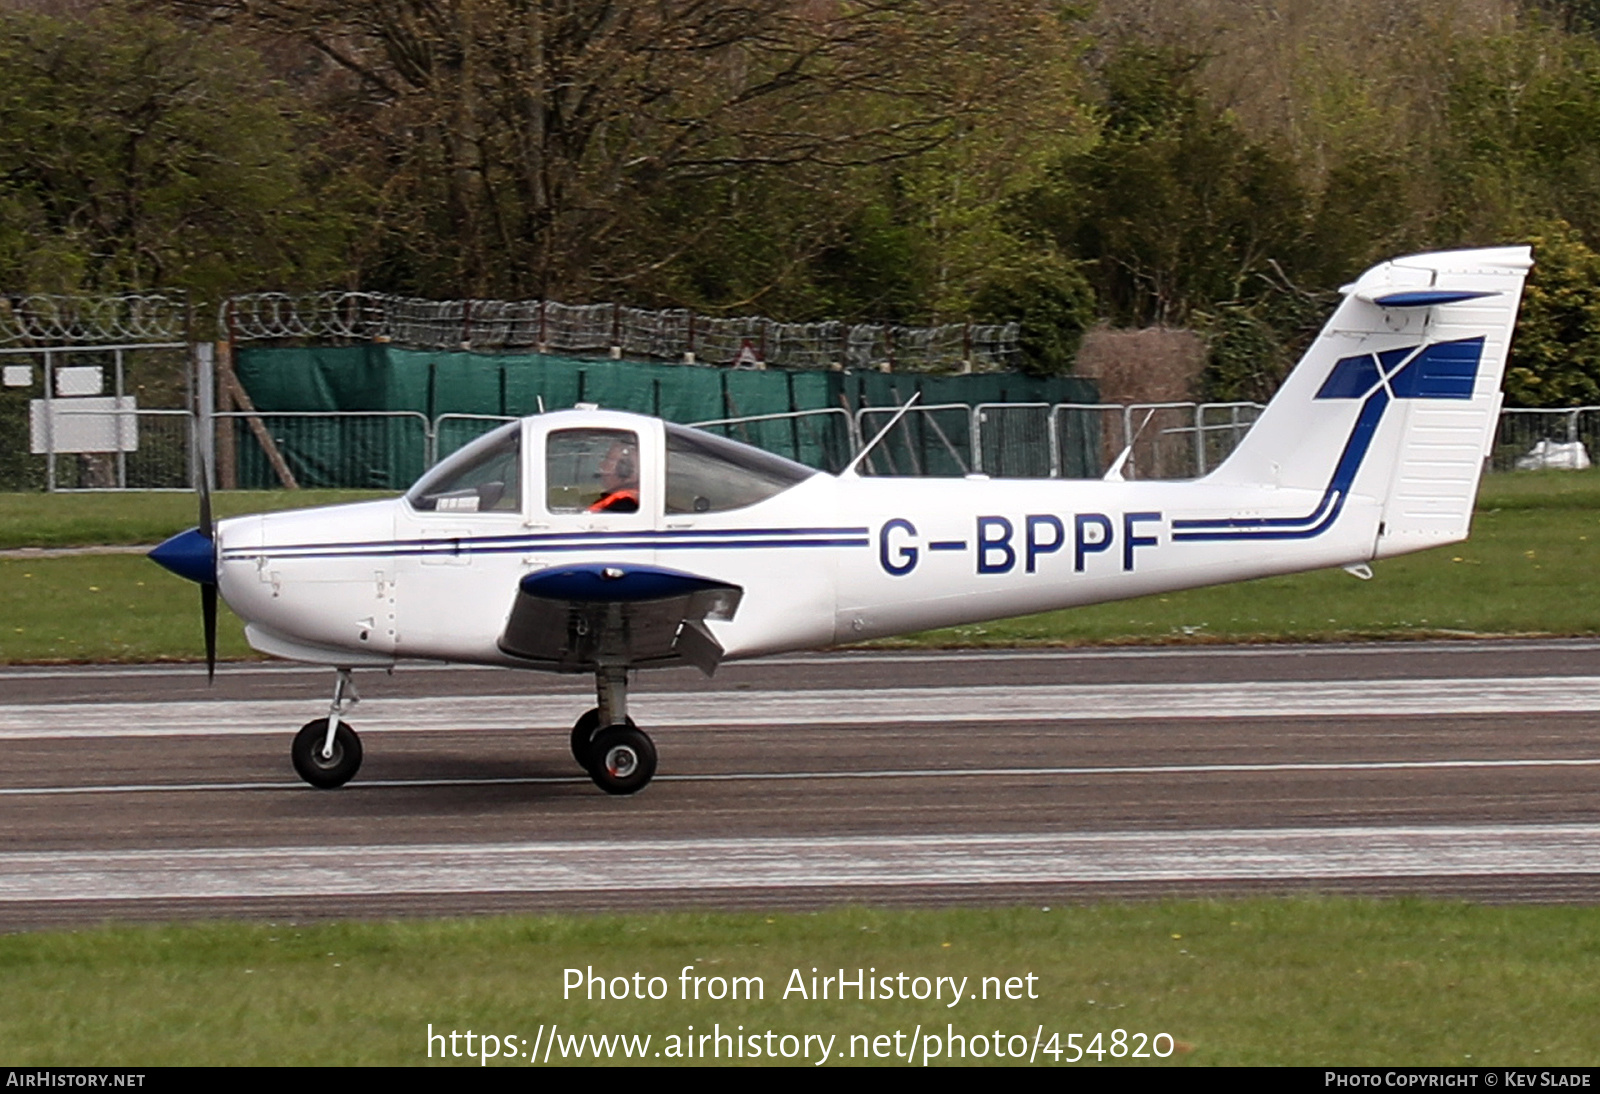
(485, 476)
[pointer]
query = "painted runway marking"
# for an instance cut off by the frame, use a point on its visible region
(799, 776)
(876, 861)
(921, 706)
(882, 657)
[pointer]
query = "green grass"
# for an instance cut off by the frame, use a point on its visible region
(72, 520)
(1309, 981)
(104, 608)
(1529, 568)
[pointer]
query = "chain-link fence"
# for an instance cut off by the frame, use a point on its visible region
(110, 417)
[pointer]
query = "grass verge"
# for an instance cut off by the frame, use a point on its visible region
(77, 520)
(1299, 982)
(1529, 568)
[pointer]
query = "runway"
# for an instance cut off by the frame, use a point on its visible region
(918, 777)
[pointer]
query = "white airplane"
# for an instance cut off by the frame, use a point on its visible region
(592, 541)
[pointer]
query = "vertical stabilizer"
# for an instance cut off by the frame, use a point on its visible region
(1398, 397)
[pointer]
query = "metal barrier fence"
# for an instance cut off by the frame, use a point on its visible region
(1061, 440)
(1530, 439)
(377, 450)
(107, 444)
(453, 431)
(824, 438)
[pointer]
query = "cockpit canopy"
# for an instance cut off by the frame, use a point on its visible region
(598, 469)
(711, 474)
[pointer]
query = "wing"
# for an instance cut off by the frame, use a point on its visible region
(577, 618)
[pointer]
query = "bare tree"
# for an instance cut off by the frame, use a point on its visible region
(508, 141)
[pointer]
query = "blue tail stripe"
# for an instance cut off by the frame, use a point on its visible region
(1333, 496)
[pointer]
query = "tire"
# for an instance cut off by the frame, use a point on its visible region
(623, 760)
(583, 735)
(336, 770)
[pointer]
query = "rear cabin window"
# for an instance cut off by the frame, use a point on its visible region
(483, 477)
(710, 474)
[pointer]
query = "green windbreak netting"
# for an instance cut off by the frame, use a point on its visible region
(383, 412)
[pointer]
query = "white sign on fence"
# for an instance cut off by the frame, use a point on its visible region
(96, 424)
(80, 380)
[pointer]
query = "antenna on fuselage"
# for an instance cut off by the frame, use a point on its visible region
(881, 434)
(1114, 473)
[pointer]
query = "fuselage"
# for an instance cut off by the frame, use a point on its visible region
(824, 560)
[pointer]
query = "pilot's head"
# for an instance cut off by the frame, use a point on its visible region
(619, 467)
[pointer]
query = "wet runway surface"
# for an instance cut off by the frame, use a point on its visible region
(926, 777)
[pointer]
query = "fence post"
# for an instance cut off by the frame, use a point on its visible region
(50, 421)
(205, 436)
(1053, 431)
(975, 438)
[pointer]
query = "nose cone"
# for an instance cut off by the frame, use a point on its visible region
(189, 554)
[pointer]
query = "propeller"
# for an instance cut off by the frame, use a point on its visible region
(193, 555)
(208, 589)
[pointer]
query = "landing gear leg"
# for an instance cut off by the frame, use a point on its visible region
(620, 757)
(327, 752)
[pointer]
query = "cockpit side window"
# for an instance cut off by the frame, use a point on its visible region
(710, 474)
(485, 476)
(592, 471)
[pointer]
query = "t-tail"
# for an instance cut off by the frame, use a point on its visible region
(1395, 404)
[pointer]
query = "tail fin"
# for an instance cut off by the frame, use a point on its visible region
(1398, 398)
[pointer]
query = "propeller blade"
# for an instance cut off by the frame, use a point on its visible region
(208, 615)
(208, 590)
(208, 527)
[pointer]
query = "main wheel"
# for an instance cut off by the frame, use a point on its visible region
(325, 773)
(583, 735)
(623, 759)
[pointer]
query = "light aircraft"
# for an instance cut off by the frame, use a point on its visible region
(593, 541)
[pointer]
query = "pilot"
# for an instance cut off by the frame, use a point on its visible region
(619, 480)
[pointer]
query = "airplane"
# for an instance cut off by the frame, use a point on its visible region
(601, 542)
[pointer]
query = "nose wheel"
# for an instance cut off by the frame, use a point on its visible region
(327, 752)
(326, 771)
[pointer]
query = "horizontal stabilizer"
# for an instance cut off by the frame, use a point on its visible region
(577, 618)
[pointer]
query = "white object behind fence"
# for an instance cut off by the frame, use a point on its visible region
(1555, 455)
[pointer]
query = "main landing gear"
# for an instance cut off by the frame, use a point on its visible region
(618, 755)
